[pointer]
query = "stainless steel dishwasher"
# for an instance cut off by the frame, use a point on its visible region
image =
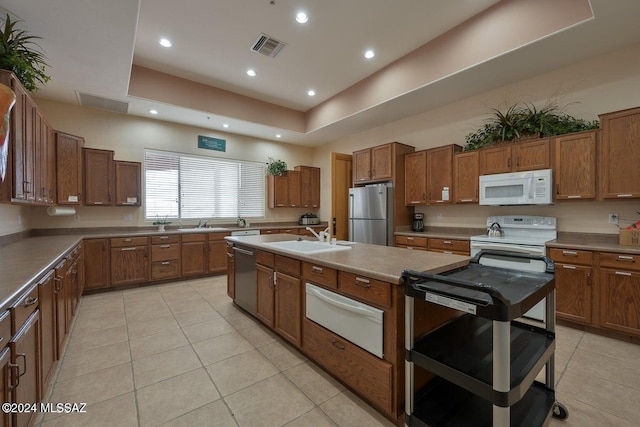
(245, 278)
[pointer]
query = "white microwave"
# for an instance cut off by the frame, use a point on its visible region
(517, 188)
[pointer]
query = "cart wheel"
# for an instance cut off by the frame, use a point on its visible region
(560, 411)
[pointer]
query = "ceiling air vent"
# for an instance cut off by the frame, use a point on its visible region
(101, 103)
(267, 45)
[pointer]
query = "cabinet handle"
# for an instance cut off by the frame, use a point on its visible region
(164, 237)
(165, 246)
(338, 345)
(30, 301)
(625, 258)
(624, 195)
(447, 242)
(166, 263)
(364, 283)
(16, 367)
(133, 248)
(557, 188)
(409, 238)
(588, 279)
(316, 269)
(623, 273)
(24, 358)
(97, 203)
(126, 240)
(230, 255)
(275, 279)
(509, 162)
(570, 253)
(466, 200)
(518, 161)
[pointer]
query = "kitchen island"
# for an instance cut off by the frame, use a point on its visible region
(334, 288)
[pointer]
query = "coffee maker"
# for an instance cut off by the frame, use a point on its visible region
(418, 222)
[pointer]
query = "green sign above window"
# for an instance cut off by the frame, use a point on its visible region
(209, 143)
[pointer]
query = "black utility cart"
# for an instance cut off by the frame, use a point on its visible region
(486, 362)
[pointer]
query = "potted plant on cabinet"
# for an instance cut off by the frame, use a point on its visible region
(276, 167)
(161, 222)
(19, 54)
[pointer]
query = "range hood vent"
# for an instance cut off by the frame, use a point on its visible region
(267, 45)
(101, 103)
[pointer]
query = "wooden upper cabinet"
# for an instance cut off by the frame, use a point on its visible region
(362, 166)
(415, 170)
(29, 151)
(515, 157)
(284, 191)
(293, 181)
(128, 186)
(45, 160)
(68, 168)
(12, 187)
(620, 154)
(575, 166)
(309, 186)
(465, 177)
(440, 173)
(382, 162)
(98, 176)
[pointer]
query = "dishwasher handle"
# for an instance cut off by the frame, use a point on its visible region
(243, 251)
(325, 296)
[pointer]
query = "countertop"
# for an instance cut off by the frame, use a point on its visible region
(378, 262)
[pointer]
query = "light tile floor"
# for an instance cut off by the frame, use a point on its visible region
(181, 354)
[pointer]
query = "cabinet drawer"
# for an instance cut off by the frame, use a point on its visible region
(165, 269)
(162, 240)
(165, 252)
(129, 241)
(418, 248)
(288, 266)
(22, 309)
(320, 274)
(218, 236)
(450, 245)
(411, 241)
(620, 261)
(270, 231)
(446, 251)
(265, 258)
(571, 256)
(186, 238)
(371, 290)
(75, 252)
(290, 230)
(370, 376)
(5, 328)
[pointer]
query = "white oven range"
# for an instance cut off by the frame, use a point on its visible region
(523, 234)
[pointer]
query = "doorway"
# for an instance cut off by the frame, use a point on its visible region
(340, 184)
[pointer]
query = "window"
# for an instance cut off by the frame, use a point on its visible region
(190, 187)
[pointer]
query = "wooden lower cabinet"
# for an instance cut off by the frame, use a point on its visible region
(48, 356)
(450, 246)
(288, 307)
(25, 350)
(265, 297)
(217, 253)
(129, 265)
(620, 293)
(231, 272)
(194, 254)
(370, 376)
(96, 263)
(573, 292)
(165, 257)
(5, 377)
(60, 304)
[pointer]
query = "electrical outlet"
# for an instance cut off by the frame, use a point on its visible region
(127, 217)
(613, 218)
(439, 217)
(76, 217)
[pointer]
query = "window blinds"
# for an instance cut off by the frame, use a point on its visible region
(193, 187)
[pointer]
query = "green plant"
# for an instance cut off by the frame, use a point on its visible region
(525, 120)
(159, 221)
(20, 54)
(276, 167)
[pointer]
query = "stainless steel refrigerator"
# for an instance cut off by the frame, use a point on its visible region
(371, 214)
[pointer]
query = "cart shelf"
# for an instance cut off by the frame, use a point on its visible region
(462, 352)
(443, 404)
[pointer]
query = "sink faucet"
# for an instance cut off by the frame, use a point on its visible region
(202, 224)
(318, 236)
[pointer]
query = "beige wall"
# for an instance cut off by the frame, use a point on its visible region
(128, 136)
(13, 219)
(599, 85)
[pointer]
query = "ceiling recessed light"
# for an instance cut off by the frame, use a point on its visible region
(302, 17)
(165, 42)
(154, 112)
(369, 54)
(278, 136)
(251, 72)
(311, 92)
(225, 125)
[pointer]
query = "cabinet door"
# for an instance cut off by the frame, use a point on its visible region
(293, 183)
(620, 156)
(59, 291)
(129, 265)
(573, 292)
(361, 166)
(231, 273)
(415, 172)
(17, 141)
(495, 160)
(465, 175)
(68, 169)
(278, 191)
(309, 186)
(51, 163)
(29, 153)
(194, 259)
(6, 378)
(98, 176)
(288, 307)
(47, 159)
(533, 155)
(40, 155)
(620, 300)
(217, 256)
(265, 298)
(575, 166)
(127, 183)
(96, 263)
(25, 348)
(382, 162)
(440, 174)
(48, 356)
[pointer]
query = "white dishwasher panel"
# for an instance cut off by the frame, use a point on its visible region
(354, 321)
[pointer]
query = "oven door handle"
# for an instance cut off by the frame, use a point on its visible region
(512, 253)
(345, 305)
(499, 247)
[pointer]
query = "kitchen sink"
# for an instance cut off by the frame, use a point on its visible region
(201, 229)
(306, 247)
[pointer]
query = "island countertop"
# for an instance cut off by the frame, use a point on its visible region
(378, 262)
